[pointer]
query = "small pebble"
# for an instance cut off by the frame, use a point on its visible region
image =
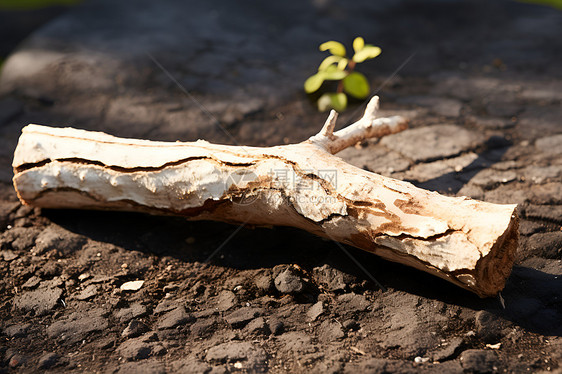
(132, 286)
(134, 329)
(48, 360)
(16, 361)
(315, 311)
(289, 282)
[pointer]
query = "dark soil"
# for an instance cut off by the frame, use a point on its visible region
(485, 85)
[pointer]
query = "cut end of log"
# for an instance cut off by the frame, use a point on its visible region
(492, 271)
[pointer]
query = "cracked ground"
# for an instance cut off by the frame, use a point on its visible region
(482, 88)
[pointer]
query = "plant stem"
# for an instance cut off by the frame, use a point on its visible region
(340, 86)
(350, 68)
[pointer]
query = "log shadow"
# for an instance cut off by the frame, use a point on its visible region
(533, 300)
(532, 297)
(451, 183)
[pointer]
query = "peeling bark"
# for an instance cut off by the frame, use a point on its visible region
(467, 242)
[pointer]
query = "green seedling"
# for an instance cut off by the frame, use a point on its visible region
(338, 67)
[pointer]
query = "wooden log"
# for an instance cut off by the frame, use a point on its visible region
(467, 242)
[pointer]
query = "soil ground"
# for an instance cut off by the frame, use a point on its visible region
(482, 91)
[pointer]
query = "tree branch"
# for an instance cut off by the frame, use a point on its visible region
(367, 127)
(467, 242)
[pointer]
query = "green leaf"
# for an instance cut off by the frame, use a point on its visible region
(343, 63)
(333, 73)
(358, 44)
(324, 102)
(368, 52)
(356, 85)
(337, 101)
(336, 48)
(314, 82)
(328, 61)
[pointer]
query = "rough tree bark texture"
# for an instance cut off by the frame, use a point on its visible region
(467, 242)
